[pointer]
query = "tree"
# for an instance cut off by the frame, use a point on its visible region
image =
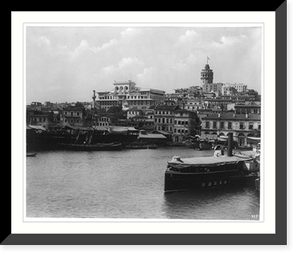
(117, 112)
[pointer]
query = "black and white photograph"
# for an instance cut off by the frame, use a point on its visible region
(144, 122)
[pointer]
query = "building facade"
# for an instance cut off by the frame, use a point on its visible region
(193, 105)
(233, 88)
(247, 109)
(40, 118)
(241, 125)
(164, 116)
(186, 123)
(127, 95)
(213, 87)
(73, 115)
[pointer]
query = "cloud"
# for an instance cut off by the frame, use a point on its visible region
(43, 41)
(189, 36)
(79, 60)
(123, 69)
(84, 46)
(130, 32)
(147, 73)
(226, 41)
(107, 45)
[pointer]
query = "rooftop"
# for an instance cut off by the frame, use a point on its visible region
(232, 116)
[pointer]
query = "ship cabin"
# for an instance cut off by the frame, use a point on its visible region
(211, 165)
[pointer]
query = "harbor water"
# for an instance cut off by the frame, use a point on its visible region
(125, 184)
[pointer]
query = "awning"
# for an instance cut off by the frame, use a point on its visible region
(208, 137)
(151, 136)
(254, 139)
(100, 128)
(161, 132)
(36, 127)
(118, 130)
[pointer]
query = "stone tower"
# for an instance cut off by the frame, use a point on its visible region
(207, 75)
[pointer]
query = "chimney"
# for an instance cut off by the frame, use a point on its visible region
(230, 144)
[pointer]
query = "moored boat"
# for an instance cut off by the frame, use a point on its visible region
(219, 170)
(30, 154)
(140, 146)
(92, 147)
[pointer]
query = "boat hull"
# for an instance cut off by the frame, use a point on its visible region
(202, 181)
(92, 147)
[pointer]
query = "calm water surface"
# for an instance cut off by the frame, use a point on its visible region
(124, 184)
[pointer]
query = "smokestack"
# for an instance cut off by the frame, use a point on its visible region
(230, 144)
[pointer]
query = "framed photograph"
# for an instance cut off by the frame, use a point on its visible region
(148, 128)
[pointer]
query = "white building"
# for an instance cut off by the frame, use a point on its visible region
(240, 87)
(127, 95)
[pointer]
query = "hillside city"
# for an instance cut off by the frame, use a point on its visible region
(207, 111)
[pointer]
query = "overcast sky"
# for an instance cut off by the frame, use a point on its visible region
(68, 63)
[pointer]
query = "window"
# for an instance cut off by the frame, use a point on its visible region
(222, 125)
(229, 125)
(241, 125)
(251, 126)
(214, 125)
(207, 124)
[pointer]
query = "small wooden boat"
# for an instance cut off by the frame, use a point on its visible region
(30, 154)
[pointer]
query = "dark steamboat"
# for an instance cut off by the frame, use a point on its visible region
(220, 170)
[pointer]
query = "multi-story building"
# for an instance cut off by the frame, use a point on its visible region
(186, 123)
(103, 119)
(216, 103)
(127, 95)
(239, 87)
(193, 104)
(242, 125)
(40, 118)
(228, 90)
(174, 96)
(164, 116)
(250, 108)
(213, 87)
(190, 92)
(73, 115)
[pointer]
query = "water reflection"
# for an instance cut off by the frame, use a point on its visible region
(126, 184)
(213, 204)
